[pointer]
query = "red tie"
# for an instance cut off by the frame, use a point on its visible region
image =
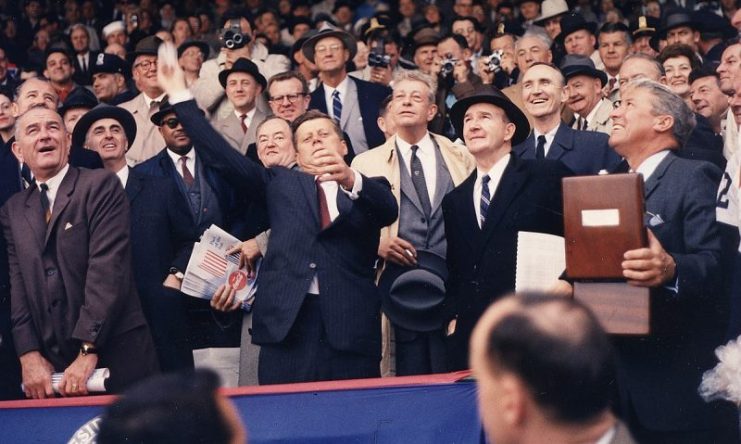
(324, 218)
(187, 176)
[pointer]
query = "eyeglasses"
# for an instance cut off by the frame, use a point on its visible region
(172, 123)
(292, 98)
(145, 65)
(330, 48)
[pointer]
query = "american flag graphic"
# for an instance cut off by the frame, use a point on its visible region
(214, 264)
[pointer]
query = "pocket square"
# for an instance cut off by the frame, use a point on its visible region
(655, 220)
(68, 226)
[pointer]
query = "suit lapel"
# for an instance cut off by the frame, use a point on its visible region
(509, 187)
(35, 215)
(307, 183)
(653, 182)
(133, 185)
(349, 102)
(320, 101)
(526, 149)
(62, 200)
(465, 212)
(562, 143)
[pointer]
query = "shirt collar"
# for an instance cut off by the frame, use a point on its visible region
(591, 114)
(648, 166)
(56, 180)
(342, 88)
(424, 144)
(149, 101)
(123, 175)
(250, 114)
(176, 157)
(549, 136)
(496, 171)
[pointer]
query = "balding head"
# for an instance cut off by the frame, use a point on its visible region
(35, 92)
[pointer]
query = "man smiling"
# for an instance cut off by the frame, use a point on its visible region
(584, 85)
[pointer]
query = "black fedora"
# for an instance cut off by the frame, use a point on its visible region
(573, 22)
(79, 97)
(675, 19)
(165, 108)
(203, 46)
(709, 23)
(243, 65)
(490, 94)
(413, 297)
(575, 65)
(104, 111)
(347, 40)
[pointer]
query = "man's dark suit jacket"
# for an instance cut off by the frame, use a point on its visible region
(659, 374)
(370, 96)
(704, 144)
(71, 280)
(162, 236)
(583, 152)
(342, 256)
(482, 263)
(84, 77)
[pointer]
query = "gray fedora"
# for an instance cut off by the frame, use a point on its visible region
(347, 40)
(575, 65)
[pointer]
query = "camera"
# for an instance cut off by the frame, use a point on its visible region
(232, 37)
(494, 64)
(378, 57)
(448, 64)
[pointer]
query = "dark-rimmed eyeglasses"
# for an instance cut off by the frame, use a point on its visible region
(146, 64)
(171, 123)
(293, 98)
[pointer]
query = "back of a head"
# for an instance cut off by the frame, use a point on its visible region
(176, 408)
(560, 352)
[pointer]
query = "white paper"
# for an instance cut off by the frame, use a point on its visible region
(600, 218)
(95, 384)
(541, 259)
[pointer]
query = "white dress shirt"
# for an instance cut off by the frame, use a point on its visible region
(549, 136)
(328, 91)
(53, 185)
(123, 175)
(495, 173)
(648, 166)
(591, 114)
(330, 192)
(149, 101)
(248, 118)
(190, 163)
(426, 155)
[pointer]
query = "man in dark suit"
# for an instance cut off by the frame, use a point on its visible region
(510, 194)
(162, 231)
(74, 305)
(83, 59)
(317, 310)
(583, 152)
(659, 374)
(210, 200)
(352, 102)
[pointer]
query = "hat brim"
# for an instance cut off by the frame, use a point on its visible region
(589, 26)
(347, 40)
(514, 114)
(572, 71)
(203, 46)
(104, 112)
(223, 75)
(541, 21)
(690, 23)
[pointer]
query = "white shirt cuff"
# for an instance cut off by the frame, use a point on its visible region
(180, 96)
(356, 188)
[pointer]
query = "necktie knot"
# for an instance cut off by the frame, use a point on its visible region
(44, 187)
(540, 149)
(414, 149)
(485, 180)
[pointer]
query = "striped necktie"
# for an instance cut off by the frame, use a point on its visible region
(336, 106)
(485, 199)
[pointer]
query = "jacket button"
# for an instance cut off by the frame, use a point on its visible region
(51, 272)
(312, 265)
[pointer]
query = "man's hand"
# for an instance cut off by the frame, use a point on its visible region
(169, 73)
(74, 380)
(36, 376)
(508, 62)
(398, 251)
(249, 253)
(225, 299)
(381, 75)
(487, 77)
(649, 267)
(460, 71)
(330, 165)
(172, 282)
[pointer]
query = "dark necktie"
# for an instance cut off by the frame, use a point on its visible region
(611, 84)
(485, 198)
(43, 188)
(336, 106)
(418, 179)
(27, 176)
(244, 125)
(540, 149)
(324, 218)
(154, 107)
(187, 176)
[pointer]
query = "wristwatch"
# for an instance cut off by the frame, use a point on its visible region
(177, 273)
(88, 349)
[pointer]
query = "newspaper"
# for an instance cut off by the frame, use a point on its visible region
(95, 384)
(541, 259)
(210, 266)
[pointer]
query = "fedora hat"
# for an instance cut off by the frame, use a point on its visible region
(79, 97)
(573, 22)
(712, 24)
(347, 40)
(490, 94)
(413, 297)
(550, 9)
(104, 111)
(675, 19)
(146, 46)
(574, 65)
(203, 46)
(243, 65)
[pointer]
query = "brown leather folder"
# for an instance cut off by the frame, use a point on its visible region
(603, 218)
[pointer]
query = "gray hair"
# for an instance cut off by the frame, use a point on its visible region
(667, 103)
(652, 60)
(544, 39)
(417, 76)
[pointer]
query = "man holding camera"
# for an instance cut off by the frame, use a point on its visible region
(237, 39)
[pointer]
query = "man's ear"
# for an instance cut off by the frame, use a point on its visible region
(514, 400)
(17, 152)
(431, 112)
(381, 124)
(15, 109)
(663, 123)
